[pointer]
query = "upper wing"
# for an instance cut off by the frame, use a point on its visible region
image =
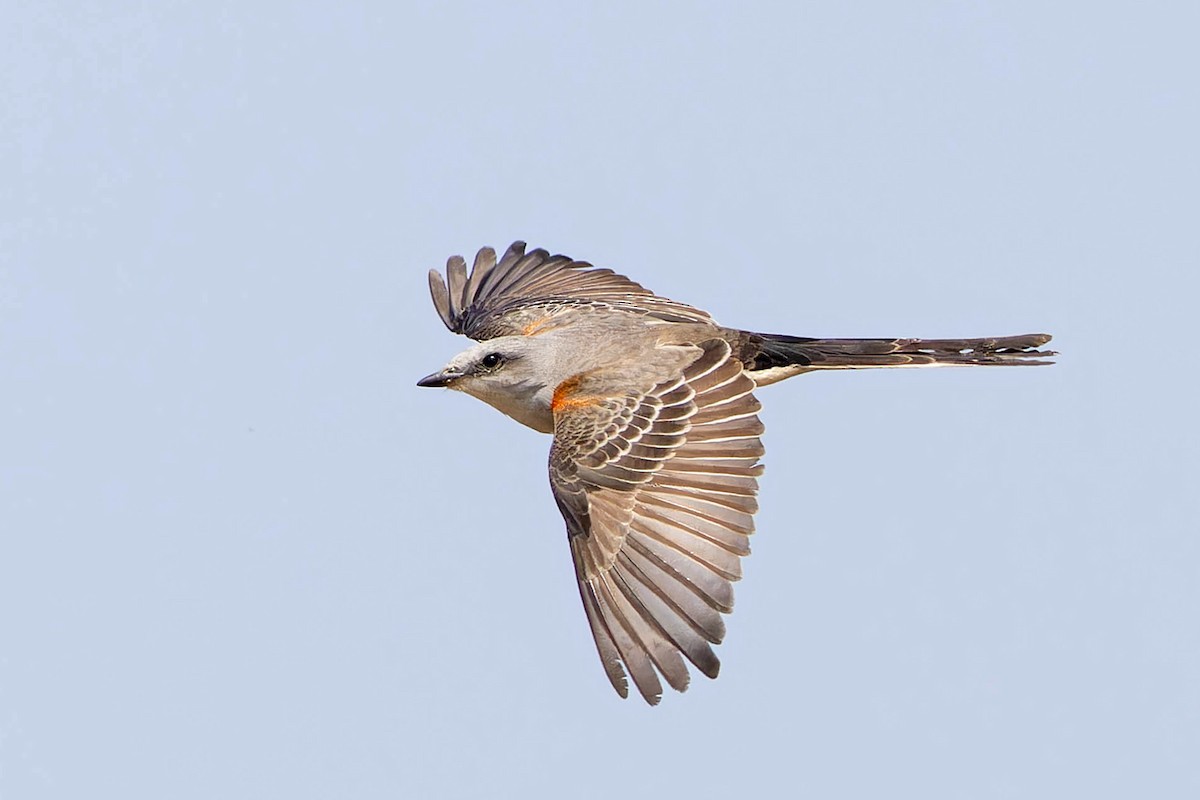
(524, 290)
(658, 490)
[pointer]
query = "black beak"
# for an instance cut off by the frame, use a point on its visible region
(437, 379)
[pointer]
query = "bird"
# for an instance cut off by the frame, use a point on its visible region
(656, 448)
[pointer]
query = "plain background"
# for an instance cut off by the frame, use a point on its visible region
(243, 556)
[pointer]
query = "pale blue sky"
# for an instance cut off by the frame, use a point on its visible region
(243, 556)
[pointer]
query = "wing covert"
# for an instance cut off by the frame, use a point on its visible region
(524, 290)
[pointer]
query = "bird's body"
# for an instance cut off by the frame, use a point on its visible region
(656, 435)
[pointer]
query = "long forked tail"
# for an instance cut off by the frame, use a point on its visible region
(780, 357)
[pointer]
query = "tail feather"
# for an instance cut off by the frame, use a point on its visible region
(779, 357)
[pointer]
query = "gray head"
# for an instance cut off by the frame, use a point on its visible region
(514, 374)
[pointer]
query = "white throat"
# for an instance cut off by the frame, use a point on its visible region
(529, 405)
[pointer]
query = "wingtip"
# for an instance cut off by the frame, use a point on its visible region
(441, 298)
(515, 251)
(651, 694)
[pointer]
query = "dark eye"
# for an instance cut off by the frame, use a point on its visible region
(491, 360)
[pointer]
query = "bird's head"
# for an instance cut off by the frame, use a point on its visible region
(514, 374)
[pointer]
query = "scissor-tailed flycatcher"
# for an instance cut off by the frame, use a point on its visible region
(654, 462)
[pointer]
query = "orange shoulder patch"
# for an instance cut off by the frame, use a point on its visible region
(535, 327)
(566, 395)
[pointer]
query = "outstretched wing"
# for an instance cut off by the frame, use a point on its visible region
(526, 290)
(658, 491)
